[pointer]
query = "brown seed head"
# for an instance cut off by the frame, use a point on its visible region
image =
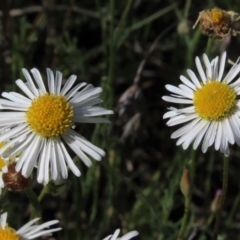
(217, 23)
(15, 181)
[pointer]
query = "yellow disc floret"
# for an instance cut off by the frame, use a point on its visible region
(216, 15)
(215, 101)
(2, 162)
(50, 115)
(8, 234)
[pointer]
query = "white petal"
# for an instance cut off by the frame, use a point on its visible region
(181, 119)
(79, 97)
(214, 65)
(87, 103)
(51, 85)
(186, 89)
(32, 157)
(3, 220)
(200, 70)
(88, 113)
(53, 161)
(69, 161)
(9, 105)
(30, 82)
(13, 132)
(14, 98)
(187, 82)
(179, 91)
(61, 161)
(129, 235)
(209, 137)
(58, 82)
(171, 114)
(185, 129)
(94, 151)
(194, 79)
(19, 96)
(25, 227)
(201, 134)
(43, 168)
(218, 136)
(38, 79)
(68, 84)
(177, 100)
(90, 120)
(208, 66)
(228, 130)
(74, 90)
(72, 144)
(25, 89)
(232, 73)
(222, 65)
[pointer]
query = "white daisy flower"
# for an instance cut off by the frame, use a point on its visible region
(212, 114)
(28, 231)
(44, 118)
(127, 236)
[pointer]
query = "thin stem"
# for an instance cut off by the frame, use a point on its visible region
(222, 198)
(209, 46)
(185, 218)
(188, 198)
(43, 193)
(132, 186)
(112, 47)
(119, 28)
(187, 7)
(36, 208)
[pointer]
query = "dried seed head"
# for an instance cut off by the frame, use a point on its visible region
(217, 23)
(15, 181)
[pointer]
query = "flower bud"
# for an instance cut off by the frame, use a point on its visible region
(15, 181)
(185, 183)
(214, 204)
(183, 27)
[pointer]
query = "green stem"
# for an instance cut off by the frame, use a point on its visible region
(188, 198)
(185, 218)
(36, 208)
(187, 7)
(132, 186)
(119, 28)
(209, 46)
(43, 193)
(222, 198)
(112, 47)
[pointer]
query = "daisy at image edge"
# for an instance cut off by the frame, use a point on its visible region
(127, 236)
(26, 232)
(212, 111)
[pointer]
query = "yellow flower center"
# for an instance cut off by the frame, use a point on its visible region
(50, 115)
(216, 15)
(215, 101)
(2, 162)
(8, 234)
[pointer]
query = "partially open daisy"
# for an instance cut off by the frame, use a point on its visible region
(44, 118)
(27, 232)
(127, 236)
(213, 107)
